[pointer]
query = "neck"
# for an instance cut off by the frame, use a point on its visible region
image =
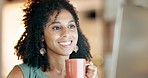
(57, 62)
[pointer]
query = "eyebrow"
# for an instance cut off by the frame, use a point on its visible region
(71, 21)
(57, 22)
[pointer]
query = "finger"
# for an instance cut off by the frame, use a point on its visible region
(91, 68)
(85, 77)
(91, 75)
(91, 71)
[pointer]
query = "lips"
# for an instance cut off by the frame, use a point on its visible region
(65, 43)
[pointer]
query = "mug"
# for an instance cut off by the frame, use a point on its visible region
(75, 68)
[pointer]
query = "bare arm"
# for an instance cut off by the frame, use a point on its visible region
(16, 72)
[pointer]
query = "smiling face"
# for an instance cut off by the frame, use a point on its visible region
(61, 35)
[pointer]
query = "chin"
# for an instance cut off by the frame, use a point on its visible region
(66, 53)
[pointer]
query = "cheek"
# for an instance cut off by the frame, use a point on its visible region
(76, 37)
(52, 37)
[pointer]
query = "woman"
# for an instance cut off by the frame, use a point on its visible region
(52, 35)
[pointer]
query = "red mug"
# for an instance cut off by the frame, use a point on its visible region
(75, 68)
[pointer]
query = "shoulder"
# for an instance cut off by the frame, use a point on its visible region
(16, 72)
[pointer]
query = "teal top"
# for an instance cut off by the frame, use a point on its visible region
(32, 72)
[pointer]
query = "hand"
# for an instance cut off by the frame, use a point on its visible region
(91, 71)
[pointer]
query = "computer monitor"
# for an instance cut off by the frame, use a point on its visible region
(130, 47)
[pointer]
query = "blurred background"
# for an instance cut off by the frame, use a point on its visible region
(116, 31)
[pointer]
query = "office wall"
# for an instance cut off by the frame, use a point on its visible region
(1, 4)
(12, 28)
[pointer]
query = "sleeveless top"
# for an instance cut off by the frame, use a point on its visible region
(32, 72)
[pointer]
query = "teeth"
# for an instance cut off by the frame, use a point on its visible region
(65, 43)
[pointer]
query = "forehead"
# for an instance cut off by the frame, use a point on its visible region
(60, 14)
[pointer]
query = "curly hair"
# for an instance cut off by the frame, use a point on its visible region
(35, 18)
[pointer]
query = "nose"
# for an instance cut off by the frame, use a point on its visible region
(65, 33)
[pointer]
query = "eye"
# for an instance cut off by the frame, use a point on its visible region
(56, 28)
(72, 26)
